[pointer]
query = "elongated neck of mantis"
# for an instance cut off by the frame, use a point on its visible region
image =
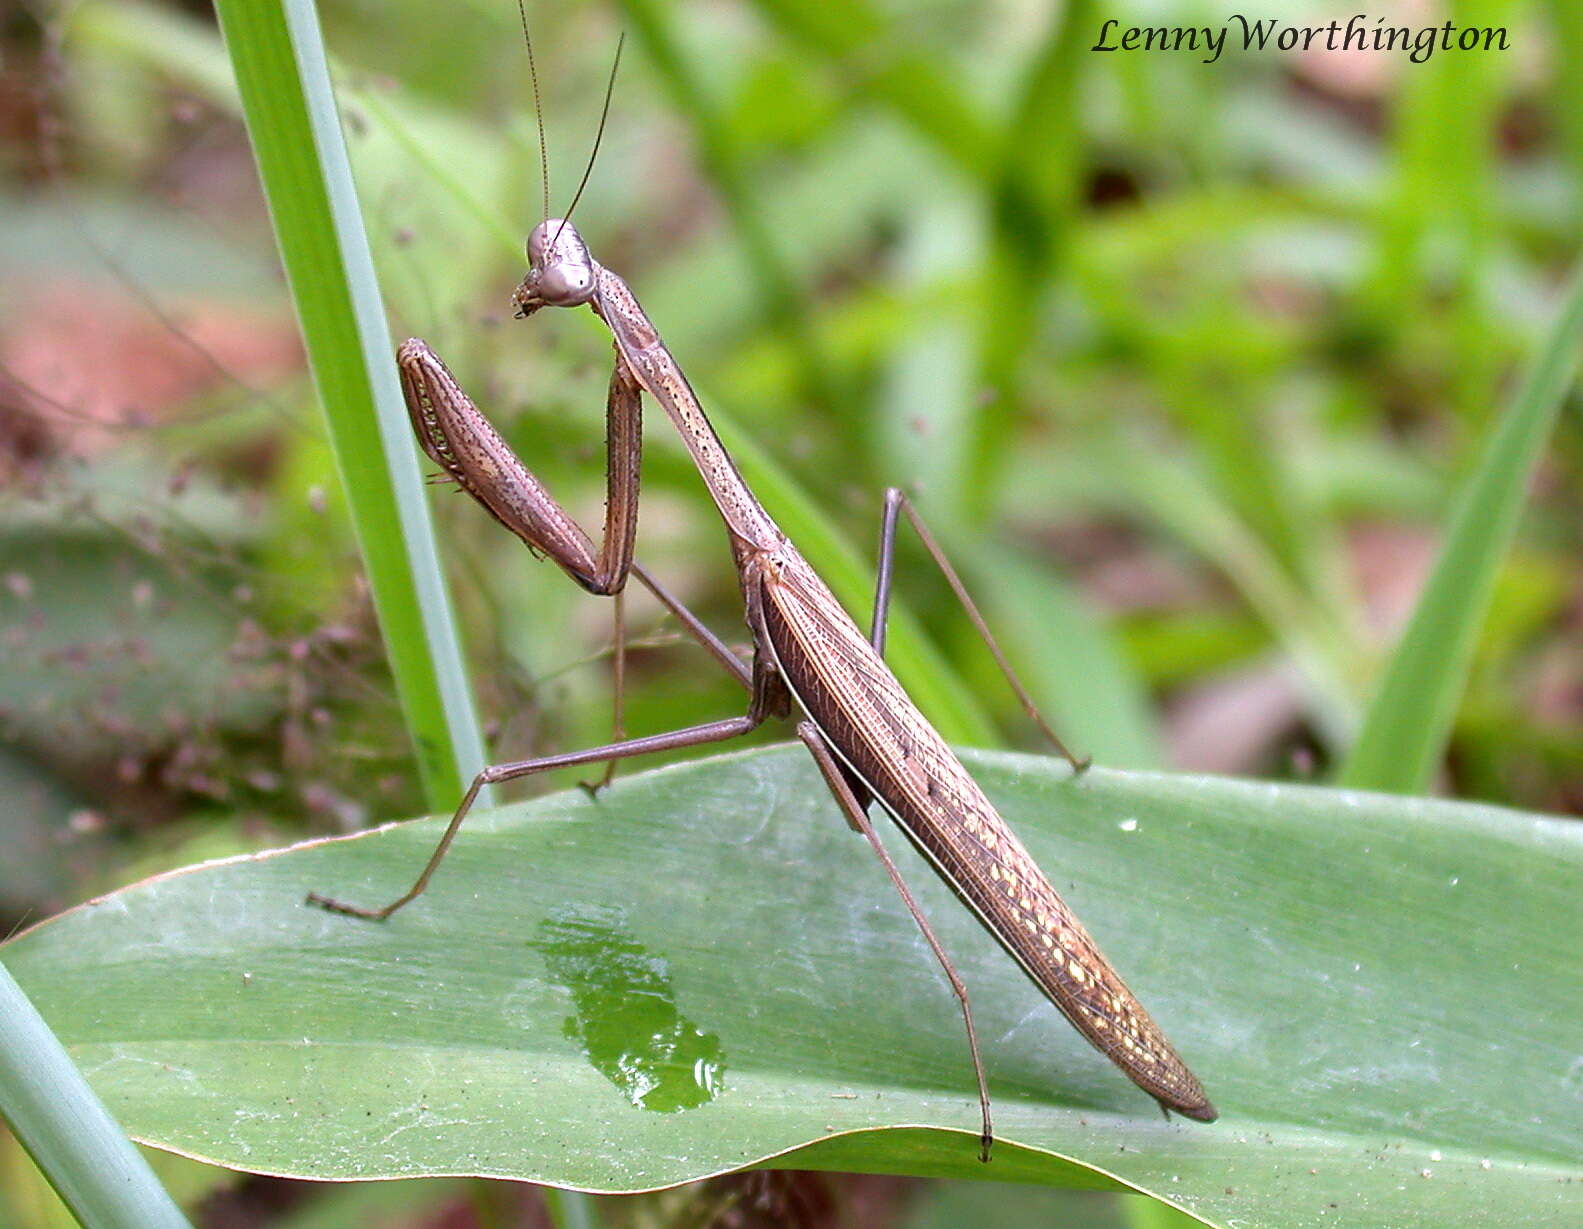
(659, 373)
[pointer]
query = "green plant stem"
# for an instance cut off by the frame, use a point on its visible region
(66, 1129)
(292, 121)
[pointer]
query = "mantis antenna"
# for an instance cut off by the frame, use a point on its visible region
(599, 136)
(538, 110)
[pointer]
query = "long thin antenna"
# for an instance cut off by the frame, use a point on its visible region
(610, 89)
(538, 111)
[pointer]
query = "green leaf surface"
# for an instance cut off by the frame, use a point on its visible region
(704, 969)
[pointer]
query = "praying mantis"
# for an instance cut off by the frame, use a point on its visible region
(867, 738)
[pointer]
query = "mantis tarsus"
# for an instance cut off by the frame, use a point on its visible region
(868, 739)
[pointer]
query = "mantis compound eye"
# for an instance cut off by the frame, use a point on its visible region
(567, 284)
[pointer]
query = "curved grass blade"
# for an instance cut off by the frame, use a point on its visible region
(1187, 506)
(67, 1130)
(295, 130)
(1075, 672)
(1408, 723)
(1032, 202)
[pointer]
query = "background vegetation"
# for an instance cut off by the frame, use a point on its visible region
(1186, 361)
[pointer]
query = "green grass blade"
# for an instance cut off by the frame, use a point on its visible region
(67, 1130)
(292, 120)
(1186, 506)
(703, 969)
(1406, 726)
(1438, 224)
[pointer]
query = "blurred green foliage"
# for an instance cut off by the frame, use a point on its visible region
(1186, 362)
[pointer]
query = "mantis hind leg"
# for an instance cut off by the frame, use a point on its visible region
(896, 501)
(838, 778)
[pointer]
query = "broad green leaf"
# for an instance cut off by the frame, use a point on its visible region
(704, 969)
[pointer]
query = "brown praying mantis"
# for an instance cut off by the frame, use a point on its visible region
(868, 739)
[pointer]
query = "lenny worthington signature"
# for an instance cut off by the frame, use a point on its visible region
(1358, 34)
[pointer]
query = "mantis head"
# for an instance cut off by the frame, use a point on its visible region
(561, 273)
